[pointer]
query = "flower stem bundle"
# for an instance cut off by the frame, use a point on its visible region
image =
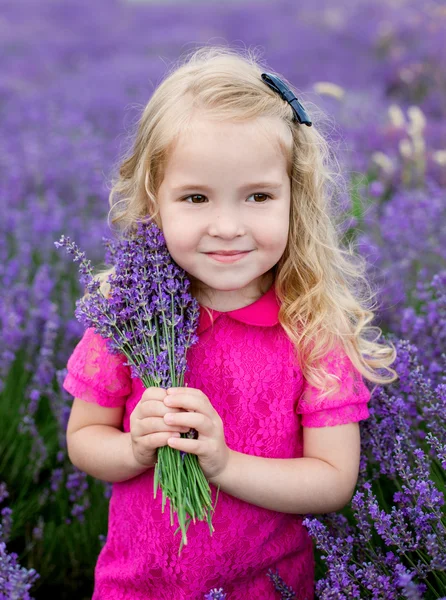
(151, 318)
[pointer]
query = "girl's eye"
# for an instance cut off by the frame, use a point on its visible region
(200, 196)
(193, 196)
(264, 195)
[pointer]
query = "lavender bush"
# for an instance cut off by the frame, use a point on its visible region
(15, 581)
(151, 319)
(65, 100)
(392, 543)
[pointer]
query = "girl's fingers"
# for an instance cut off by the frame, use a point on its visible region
(193, 420)
(185, 444)
(152, 425)
(192, 402)
(155, 409)
(162, 438)
(182, 390)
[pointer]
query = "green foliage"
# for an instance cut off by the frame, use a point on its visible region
(65, 553)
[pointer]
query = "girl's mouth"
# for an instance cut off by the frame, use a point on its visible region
(228, 258)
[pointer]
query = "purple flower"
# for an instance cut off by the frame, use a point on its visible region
(3, 492)
(15, 581)
(215, 594)
(286, 593)
(376, 188)
(143, 318)
(394, 541)
(151, 318)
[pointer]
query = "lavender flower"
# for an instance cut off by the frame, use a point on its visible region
(215, 594)
(395, 540)
(286, 593)
(15, 581)
(151, 318)
(3, 491)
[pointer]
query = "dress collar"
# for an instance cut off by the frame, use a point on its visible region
(263, 312)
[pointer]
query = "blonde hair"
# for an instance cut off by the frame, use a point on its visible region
(324, 294)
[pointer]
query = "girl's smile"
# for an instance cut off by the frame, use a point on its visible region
(227, 258)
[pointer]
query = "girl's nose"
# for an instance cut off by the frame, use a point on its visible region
(226, 223)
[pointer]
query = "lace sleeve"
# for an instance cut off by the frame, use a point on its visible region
(97, 375)
(347, 406)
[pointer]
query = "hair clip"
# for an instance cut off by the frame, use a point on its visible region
(276, 84)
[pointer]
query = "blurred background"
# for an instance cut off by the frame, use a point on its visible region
(74, 78)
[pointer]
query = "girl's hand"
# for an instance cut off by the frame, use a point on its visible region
(210, 447)
(148, 430)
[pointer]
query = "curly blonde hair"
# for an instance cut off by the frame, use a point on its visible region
(324, 294)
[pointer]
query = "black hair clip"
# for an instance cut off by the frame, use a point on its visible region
(276, 84)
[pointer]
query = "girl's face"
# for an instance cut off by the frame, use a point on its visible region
(226, 188)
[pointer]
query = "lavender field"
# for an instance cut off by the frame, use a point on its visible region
(74, 76)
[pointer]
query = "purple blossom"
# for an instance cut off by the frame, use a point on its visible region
(286, 593)
(5, 523)
(3, 491)
(38, 530)
(151, 318)
(15, 581)
(395, 538)
(215, 594)
(142, 308)
(56, 479)
(411, 590)
(77, 486)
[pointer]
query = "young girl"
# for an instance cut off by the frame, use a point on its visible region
(235, 175)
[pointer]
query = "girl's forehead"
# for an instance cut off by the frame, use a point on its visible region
(205, 135)
(207, 125)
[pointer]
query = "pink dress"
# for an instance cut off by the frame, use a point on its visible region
(245, 365)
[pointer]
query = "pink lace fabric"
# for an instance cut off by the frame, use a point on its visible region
(244, 363)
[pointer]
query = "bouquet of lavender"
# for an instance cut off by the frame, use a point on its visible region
(151, 318)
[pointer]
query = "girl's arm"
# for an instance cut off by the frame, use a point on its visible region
(322, 481)
(96, 444)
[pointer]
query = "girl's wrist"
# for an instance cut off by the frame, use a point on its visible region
(222, 476)
(134, 465)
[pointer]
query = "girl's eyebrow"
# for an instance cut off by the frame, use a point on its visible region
(271, 185)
